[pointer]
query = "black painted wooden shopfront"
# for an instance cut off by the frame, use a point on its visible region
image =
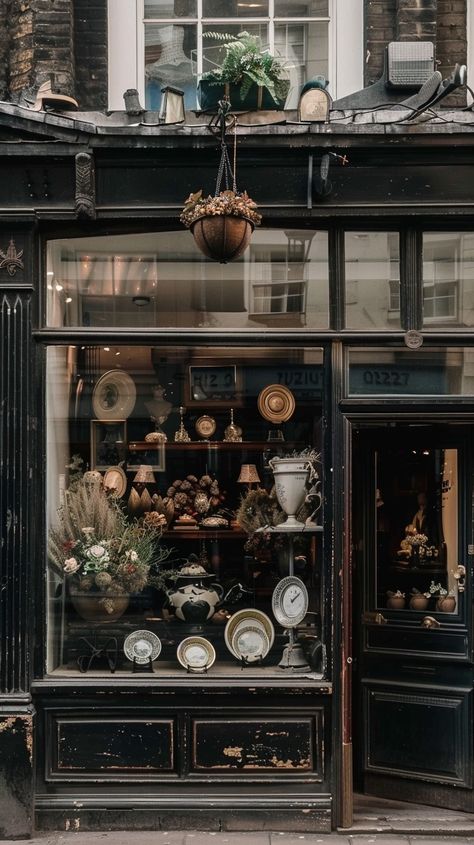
(392, 711)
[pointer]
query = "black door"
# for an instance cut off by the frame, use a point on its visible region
(412, 532)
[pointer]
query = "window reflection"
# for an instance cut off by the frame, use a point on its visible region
(448, 279)
(416, 526)
(372, 261)
(162, 279)
(168, 51)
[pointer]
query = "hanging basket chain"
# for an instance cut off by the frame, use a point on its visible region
(225, 170)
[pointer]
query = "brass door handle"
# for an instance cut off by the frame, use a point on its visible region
(430, 622)
(460, 576)
(375, 618)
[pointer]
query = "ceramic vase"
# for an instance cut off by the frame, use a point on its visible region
(291, 477)
(446, 604)
(99, 607)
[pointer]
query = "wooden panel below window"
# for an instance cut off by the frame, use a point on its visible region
(258, 745)
(115, 745)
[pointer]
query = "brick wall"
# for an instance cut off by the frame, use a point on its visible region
(440, 21)
(380, 29)
(90, 49)
(451, 45)
(40, 46)
(5, 12)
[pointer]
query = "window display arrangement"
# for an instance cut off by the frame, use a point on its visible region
(416, 526)
(198, 547)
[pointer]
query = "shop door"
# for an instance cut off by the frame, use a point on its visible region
(413, 670)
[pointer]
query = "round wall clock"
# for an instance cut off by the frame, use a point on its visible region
(290, 601)
(205, 426)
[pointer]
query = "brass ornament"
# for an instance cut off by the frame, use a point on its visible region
(181, 436)
(205, 426)
(276, 403)
(233, 433)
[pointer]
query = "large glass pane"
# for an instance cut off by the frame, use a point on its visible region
(399, 372)
(303, 49)
(416, 524)
(235, 8)
(168, 61)
(372, 262)
(301, 8)
(170, 8)
(158, 477)
(448, 279)
(162, 279)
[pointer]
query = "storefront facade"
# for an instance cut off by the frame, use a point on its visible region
(361, 306)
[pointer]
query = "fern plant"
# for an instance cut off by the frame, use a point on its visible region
(246, 63)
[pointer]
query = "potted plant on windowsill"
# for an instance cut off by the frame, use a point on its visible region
(249, 75)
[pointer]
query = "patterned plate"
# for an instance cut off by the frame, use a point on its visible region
(142, 646)
(196, 654)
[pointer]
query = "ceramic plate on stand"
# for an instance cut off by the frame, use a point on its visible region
(142, 647)
(250, 642)
(250, 616)
(115, 481)
(196, 654)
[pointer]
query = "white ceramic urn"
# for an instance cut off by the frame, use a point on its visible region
(291, 477)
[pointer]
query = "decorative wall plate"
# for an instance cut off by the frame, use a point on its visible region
(114, 396)
(290, 601)
(250, 642)
(142, 646)
(116, 480)
(196, 654)
(276, 403)
(253, 617)
(205, 426)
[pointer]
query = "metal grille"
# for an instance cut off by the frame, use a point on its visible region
(410, 63)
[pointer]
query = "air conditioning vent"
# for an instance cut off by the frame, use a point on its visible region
(410, 63)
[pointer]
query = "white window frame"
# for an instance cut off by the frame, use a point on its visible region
(126, 53)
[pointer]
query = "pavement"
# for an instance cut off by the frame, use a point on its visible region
(257, 838)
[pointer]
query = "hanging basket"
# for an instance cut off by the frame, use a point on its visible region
(222, 237)
(222, 224)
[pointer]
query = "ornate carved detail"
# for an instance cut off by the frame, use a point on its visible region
(85, 186)
(11, 259)
(413, 339)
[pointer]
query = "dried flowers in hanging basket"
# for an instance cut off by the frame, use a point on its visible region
(221, 225)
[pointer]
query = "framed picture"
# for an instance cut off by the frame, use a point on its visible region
(140, 452)
(108, 443)
(216, 385)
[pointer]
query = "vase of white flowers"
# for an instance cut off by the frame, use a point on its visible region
(101, 557)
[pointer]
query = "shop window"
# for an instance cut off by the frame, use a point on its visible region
(160, 42)
(158, 474)
(448, 279)
(430, 371)
(162, 280)
(372, 273)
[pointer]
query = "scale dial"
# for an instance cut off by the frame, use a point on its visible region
(290, 601)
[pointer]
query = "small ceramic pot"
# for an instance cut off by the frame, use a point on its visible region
(446, 604)
(419, 602)
(396, 602)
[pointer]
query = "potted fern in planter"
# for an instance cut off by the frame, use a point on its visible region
(249, 75)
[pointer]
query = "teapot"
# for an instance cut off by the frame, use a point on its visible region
(196, 595)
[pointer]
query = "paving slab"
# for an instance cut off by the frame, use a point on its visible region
(213, 838)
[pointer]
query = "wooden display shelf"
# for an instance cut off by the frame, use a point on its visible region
(205, 533)
(196, 445)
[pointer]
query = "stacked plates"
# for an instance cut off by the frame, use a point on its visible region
(249, 634)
